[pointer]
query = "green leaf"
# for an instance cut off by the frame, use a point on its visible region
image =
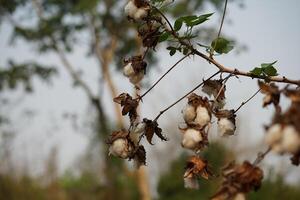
(221, 45)
(256, 71)
(270, 70)
(178, 24)
(164, 36)
(172, 50)
(265, 65)
(199, 20)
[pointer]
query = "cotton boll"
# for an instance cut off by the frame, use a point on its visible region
(130, 9)
(191, 183)
(203, 117)
(136, 78)
(119, 148)
(191, 138)
(240, 196)
(128, 70)
(290, 139)
(139, 128)
(140, 14)
(189, 113)
(278, 148)
(273, 135)
(226, 127)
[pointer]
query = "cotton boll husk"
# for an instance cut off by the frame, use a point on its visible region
(202, 117)
(273, 135)
(140, 14)
(136, 78)
(191, 138)
(290, 139)
(226, 127)
(128, 70)
(189, 113)
(130, 9)
(119, 148)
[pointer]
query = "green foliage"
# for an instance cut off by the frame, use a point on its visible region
(221, 45)
(190, 21)
(265, 69)
(22, 73)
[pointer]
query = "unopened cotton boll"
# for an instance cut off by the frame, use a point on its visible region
(189, 113)
(130, 9)
(140, 14)
(202, 117)
(273, 135)
(136, 78)
(191, 138)
(119, 148)
(226, 127)
(128, 70)
(290, 139)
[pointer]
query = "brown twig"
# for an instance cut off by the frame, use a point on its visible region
(261, 156)
(179, 61)
(243, 103)
(195, 88)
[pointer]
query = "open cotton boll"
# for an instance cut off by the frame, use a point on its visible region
(119, 148)
(191, 138)
(130, 9)
(273, 135)
(191, 183)
(139, 128)
(136, 78)
(189, 113)
(140, 14)
(128, 70)
(226, 127)
(290, 139)
(202, 117)
(239, 196)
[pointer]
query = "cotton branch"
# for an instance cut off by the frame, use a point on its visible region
(187, 94)
(221, 67)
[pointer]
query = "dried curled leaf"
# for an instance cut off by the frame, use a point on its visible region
(195, 168)
(239, 179)
(151, 128)
(150, 35)
(294, 95)
(229, 114)
(128, 104)
(214, 87)
(141, 3)
(139, 156)
(272, 93)
(138, 64)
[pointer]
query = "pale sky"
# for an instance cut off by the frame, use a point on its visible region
(269, 28)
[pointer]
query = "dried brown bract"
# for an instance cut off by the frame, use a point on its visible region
(150, 35)
(139, 156)
(272, 93)
(239, 179)
(151, 128)
(215, 88)
(128, 104)
(195, 168)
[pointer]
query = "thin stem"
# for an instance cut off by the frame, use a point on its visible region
(195, 88)
(243, 103)
(163, 15)
(179, 61)
(220, 29)
(261, 156)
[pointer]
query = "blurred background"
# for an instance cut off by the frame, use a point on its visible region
(60, 67)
